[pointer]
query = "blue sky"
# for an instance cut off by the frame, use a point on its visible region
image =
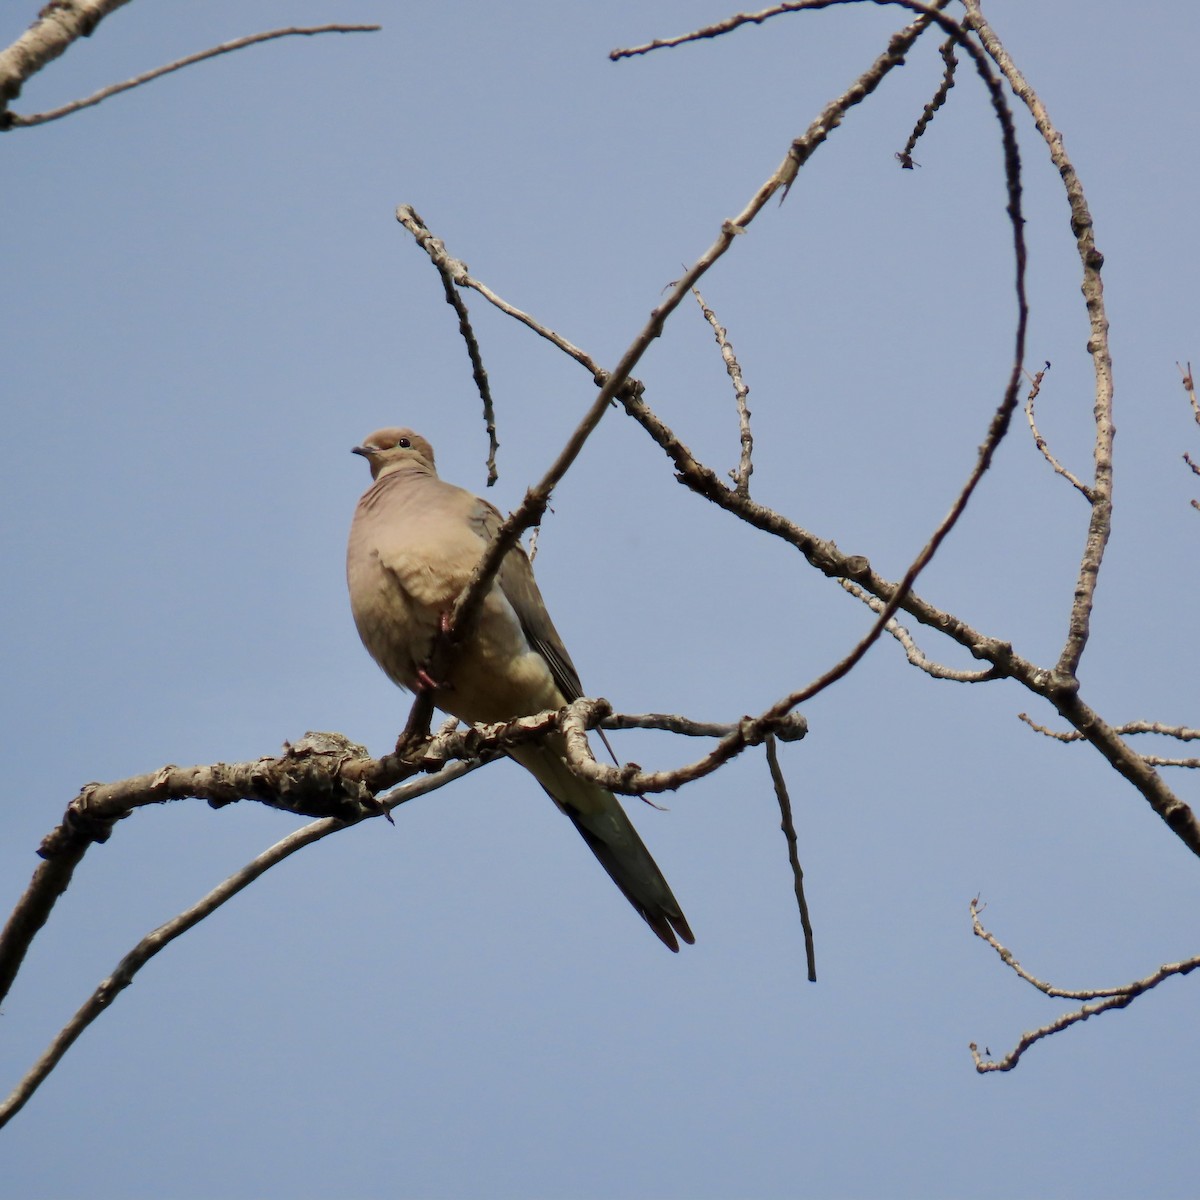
(209, 302)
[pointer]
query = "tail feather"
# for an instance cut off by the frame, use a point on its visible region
(663, 913)
(609, 833)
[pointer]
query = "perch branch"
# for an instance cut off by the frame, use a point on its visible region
(1061, 693)
(323, 775)
(158, 939)
(581, 715)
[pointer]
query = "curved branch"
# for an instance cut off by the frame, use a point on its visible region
(1109, 998)
(451, 271)
(950, 65)
(1101, 490)
(22, 65)
(1040, 442)
(57, 26)
(731, 23)
(330, 766)
(912, 651)
(158, 939)
(323, 775)
(581, 715)
(1059, 691)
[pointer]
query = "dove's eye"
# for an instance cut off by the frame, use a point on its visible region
(404, 443)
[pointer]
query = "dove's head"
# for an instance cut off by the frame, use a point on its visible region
(389, 450)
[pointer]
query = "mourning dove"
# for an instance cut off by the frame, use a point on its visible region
(414, 543)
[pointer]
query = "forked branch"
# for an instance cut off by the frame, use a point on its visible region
(1101, 1000)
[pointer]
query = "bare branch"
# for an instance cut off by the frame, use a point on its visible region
(13, 120)
(456, 269)
(1189, 385)
(1180, 732)
(1041, 443)
(123, 974)
(1009, 959)
(912, 651)
(729, 25)
(1100, 522)
(801, 150)
(827, 558)
(529, 512)
(57, 26)
(584, 714)
(1151, 760)
(453, 272)
(788, 826)
(323, 775)
(939, 98)
(689, 728)
(1109, 998)
(745, 467)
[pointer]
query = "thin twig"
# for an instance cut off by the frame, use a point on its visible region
(788, 826)
(1181, 733)
(689, 728)
(1189, 386)
(456, 269)
(16, 121)
(478, 373)
(1010, 960)
(912, 651)
(745, 467)
(1043, 445)
(939, 98)
(584, 714)
(452, 272)
(728, 26)
(1109, 998)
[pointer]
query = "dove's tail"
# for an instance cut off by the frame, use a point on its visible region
(610, 835)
